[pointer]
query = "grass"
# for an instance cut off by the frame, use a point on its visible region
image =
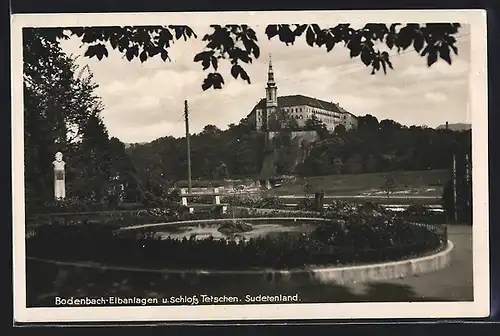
(350, 185)
(355, 184)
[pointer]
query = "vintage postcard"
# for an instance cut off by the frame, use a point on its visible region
(250, 166)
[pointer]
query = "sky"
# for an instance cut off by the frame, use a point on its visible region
(145, 101)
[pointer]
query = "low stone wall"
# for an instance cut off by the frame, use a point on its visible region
(312, 275)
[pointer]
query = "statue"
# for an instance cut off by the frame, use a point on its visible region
(59, 178)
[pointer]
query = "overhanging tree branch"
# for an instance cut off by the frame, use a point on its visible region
(238, 44)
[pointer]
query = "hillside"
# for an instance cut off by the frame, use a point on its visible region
(456, 127)
(128, 145)
(426, 182)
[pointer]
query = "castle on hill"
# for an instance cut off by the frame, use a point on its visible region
(298, 107)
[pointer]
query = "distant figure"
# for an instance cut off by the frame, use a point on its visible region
(59, 178)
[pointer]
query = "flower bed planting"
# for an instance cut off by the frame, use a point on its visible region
(357, 235)
(415, 212)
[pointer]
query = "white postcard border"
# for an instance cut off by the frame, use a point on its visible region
(480, 307)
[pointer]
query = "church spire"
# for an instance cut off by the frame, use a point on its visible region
(270, 73)
(271, 90)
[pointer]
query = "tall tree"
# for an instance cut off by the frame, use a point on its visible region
(314, 124)
(58, 100)
(93, 162)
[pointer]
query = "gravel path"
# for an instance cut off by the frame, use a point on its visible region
(453, 283)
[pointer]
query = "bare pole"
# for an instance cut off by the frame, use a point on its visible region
(467, 175)
(188, 145)
(455, 214)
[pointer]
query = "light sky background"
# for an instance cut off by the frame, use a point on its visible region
(145, 101)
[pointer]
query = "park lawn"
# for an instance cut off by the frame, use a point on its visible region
(422, 183)
(391, 200)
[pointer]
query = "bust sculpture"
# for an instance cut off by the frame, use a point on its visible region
(59, 178)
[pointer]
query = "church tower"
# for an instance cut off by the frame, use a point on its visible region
(271, 92)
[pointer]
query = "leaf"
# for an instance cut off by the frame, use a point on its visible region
(178, 32)
(113, 42)
(317, 29)
(251, 34)
(244, 75)
(256, 51)
(144, 56)
(310, 36)
(201, 56)
(271, 30)
(164, 54)
(444, 53)
(425, 51)
(455, 49)
(286, 35)
(152, 51)
(206, 63)
(99, 50)
(190, 32)
(432, 57)
(389, 41)
(207, 83)
(215, 63)
(418, 43)
(236, 70)
(129, 54)
(383, 66)
(300, 29)
(135, 50)
(355, 49)
(217, 80)
(393, 27)
(329, 42)
(389, 63)
(78, 31)
(205, 58)
(365, 56)
(384, 55)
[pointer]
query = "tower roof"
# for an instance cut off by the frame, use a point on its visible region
(270, 74)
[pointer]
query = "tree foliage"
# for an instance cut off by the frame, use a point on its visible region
(238, 44)
(374, 147)
(62, 113)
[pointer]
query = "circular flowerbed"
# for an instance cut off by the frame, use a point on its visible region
(365, 236)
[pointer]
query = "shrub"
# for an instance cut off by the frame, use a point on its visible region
(306, 204)
(417, 210)
(422, 214)
(255, 201)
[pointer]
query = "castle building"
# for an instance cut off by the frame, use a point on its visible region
(298, 107)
